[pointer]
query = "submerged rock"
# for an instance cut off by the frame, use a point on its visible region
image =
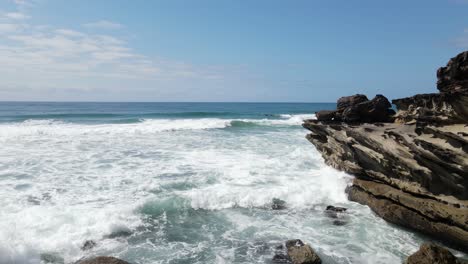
(432, 254)
(51, 258)
(278, 204)
(336, 213)
(102, 260)
(301, 253)
(336, 209)
(88, 244)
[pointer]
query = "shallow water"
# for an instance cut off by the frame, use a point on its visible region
(175, 183)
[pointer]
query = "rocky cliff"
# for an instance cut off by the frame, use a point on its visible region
(411, 167)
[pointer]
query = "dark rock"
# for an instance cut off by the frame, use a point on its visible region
(432, 254)
(102, 260)
(301, 253)
(347, 101)
(88, 244)
(325, 115)
(336, 209)
(278, 204)
(450, 106)
(339, 222)
(336, 212)
(454, 76)
(375, 110)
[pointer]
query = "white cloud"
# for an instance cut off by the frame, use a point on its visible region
(103, 24)
(7, 28)
(16, 15)
(37, 58)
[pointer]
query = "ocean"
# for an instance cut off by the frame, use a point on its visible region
(176, 183)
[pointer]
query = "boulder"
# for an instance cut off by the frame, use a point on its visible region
(102, 260)
(375, 110)
(347, 101)
(301, 253)
(432, 254)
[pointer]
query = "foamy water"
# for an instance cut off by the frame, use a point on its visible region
(187, 190)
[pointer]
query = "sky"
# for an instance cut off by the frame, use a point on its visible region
(225, 50)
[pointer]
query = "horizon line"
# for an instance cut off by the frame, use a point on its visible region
(230, 102)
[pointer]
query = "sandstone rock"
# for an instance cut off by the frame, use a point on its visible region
(103, 260)
(450, 106)
(413, 172)
(432, 254)
(301, 253)
(412, 175)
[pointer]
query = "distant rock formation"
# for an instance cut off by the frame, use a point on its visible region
(412, 171)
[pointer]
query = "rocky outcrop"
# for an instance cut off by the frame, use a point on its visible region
(450, 106)
(454, 76)
(414, 171)
(103, 260)
(433, 254)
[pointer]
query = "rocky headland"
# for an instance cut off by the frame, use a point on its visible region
(411, 166)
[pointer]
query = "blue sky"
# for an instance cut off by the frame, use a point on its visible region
(207, 50)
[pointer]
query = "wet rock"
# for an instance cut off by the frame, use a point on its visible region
(88, 244)
(337, 213)
(278, 204)
(336, 209)
(102, 260)
(301, 253)
(432, 254)
(340, 222)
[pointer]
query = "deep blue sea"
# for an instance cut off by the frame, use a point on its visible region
(176, 183)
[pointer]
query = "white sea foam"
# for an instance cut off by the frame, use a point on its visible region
(54, 127)
(63, 184)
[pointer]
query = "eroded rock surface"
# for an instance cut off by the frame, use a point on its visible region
(414, 171)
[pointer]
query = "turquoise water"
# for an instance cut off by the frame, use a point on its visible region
(175, 183)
